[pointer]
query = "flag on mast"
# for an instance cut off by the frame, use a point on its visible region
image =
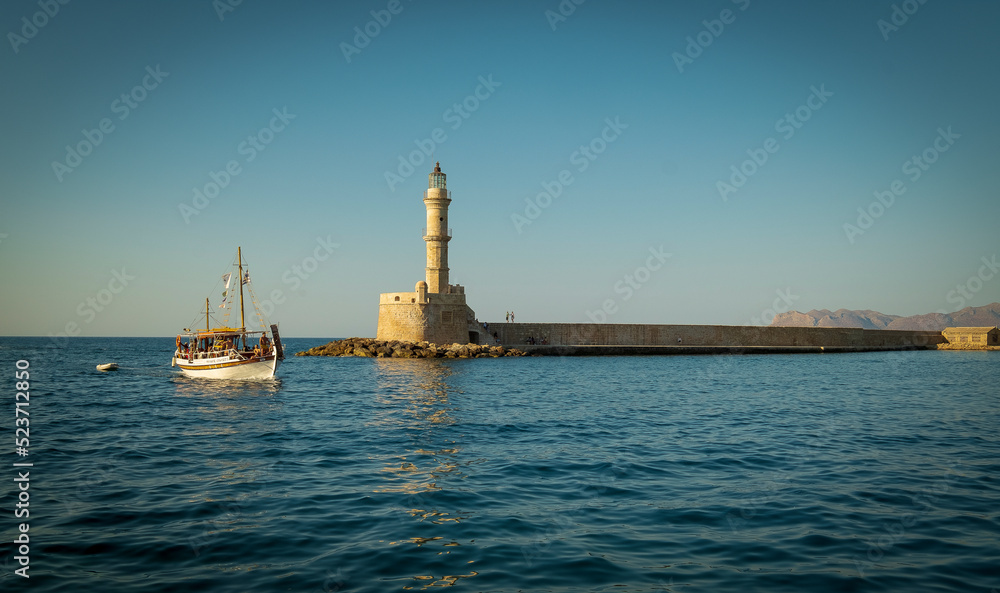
(225, 278)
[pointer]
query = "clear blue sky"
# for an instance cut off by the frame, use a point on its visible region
(553, 85)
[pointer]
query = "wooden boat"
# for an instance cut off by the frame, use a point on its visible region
(226, 352)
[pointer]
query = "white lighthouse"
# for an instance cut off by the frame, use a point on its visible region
(435, 311)
(436, 233)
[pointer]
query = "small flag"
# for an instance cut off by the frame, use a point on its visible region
(225, 278)
(246, 277)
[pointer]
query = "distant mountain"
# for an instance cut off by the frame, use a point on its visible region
(985, 316)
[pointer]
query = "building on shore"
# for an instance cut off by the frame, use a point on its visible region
(436, 310)
(972, 337)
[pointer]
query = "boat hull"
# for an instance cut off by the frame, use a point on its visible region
(215, 368)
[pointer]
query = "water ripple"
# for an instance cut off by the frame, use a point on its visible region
(750, 473)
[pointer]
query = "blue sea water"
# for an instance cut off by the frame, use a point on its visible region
(835, 472)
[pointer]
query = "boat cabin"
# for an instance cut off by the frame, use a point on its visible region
(222, 341)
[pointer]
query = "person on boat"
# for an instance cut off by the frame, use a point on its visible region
(264, 343)
(256, 351)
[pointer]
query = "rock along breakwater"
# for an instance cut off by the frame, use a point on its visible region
(370, 348)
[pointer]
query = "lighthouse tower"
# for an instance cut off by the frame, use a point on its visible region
(437, 234)
(435, 311)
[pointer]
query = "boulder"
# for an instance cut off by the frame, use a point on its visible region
(368, 348)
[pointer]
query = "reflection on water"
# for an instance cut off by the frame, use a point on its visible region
(414, 395)
(231, 483)
(236, 401)
(412, 392)
(445, 581)
(224, 388)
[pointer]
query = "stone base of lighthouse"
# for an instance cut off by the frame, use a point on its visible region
(422, 317)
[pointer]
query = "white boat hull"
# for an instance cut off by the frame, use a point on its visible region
(225, 367)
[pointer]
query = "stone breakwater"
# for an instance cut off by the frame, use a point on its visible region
(370, 348)
(705, 338)
(979, 347)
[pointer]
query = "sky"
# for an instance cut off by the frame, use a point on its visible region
(689, 162)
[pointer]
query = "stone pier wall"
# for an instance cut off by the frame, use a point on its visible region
(723, 336)
(442, 319)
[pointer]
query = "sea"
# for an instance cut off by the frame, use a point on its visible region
(774, 473)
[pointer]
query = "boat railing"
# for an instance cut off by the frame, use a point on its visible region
(232, 353)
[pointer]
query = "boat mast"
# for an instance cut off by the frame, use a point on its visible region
(207, 326)
(239, 256)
